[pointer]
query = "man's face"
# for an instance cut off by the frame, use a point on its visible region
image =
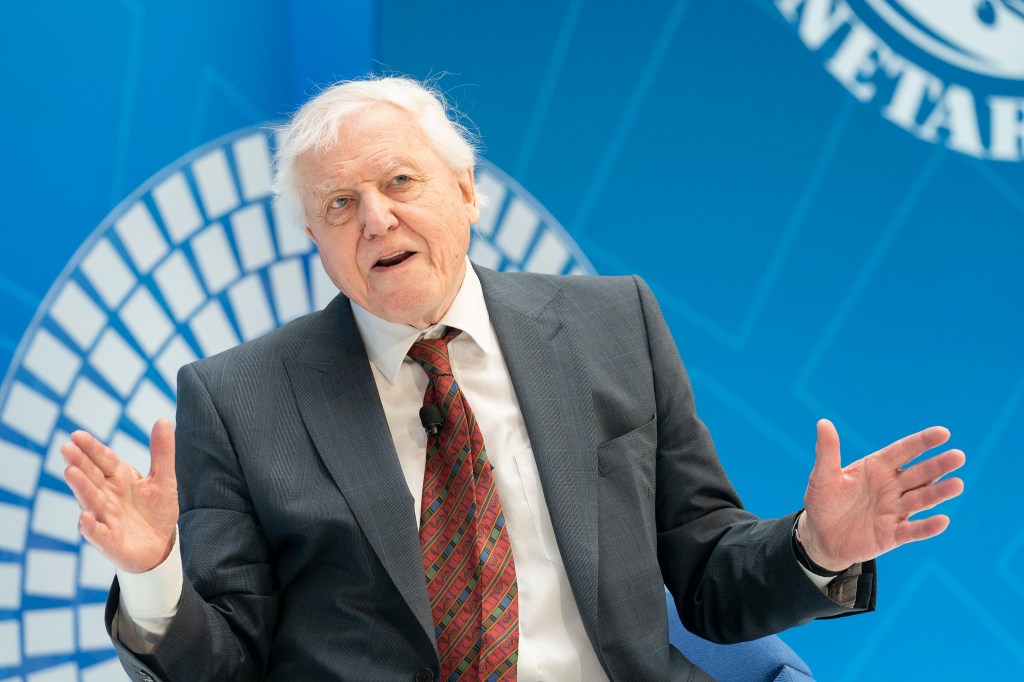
(390, 218)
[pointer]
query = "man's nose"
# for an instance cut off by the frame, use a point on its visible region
(378, 215)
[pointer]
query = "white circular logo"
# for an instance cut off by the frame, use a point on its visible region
(193, 262)
(977, 39)
(984, 36)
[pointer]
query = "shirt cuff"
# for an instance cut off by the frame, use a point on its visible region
(154, 594)
(820, 581)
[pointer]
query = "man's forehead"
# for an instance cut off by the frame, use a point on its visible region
(327, 176)
(370, 146)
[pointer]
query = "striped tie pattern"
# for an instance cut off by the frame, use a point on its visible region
(467, 556)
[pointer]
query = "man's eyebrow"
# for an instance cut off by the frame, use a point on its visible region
(391, 166)
(325, 188)
(400, 162)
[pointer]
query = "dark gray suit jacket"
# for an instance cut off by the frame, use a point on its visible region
(298, 532)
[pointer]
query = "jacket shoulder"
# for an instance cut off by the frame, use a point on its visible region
(273, 347)
(581, 288)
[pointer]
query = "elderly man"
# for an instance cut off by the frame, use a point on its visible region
(451, 472)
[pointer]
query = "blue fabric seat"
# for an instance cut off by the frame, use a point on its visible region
(768, 659)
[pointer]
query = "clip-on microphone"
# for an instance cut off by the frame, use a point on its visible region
(431, 419)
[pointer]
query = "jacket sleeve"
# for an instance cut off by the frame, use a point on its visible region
(229, 600)
(734, 576)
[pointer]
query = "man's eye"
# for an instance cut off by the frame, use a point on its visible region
(339, 202)
(401, 180)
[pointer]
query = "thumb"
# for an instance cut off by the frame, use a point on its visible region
(161, 451)
(827, 459)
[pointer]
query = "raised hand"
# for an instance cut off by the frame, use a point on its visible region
(129, 518)
(857, 512)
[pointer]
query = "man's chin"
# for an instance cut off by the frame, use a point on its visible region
(405, 309)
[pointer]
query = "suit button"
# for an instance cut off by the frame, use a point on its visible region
(144, 676)
(425, 675)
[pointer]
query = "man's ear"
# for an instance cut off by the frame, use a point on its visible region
(467, 183)
(312, 236)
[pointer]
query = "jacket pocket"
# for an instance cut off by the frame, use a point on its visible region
(629, 448)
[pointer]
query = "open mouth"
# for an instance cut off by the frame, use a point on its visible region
(394, 259)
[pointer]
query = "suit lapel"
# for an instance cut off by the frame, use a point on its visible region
(556, 400)
(341, 408)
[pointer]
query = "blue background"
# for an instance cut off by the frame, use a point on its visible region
(812, 258)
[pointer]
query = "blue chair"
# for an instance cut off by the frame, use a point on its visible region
(763, 660)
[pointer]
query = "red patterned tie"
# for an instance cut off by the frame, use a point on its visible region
(467, 556)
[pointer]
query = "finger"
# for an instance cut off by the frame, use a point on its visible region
(932, 469)
(88, 495)
(927, 496)
(161, 451)
(827, 459)
(906, 449)
(914, 531)
(73, 456)
(100, 454)
(93, 531)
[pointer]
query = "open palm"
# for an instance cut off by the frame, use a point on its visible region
(128, 517)
(858, 512)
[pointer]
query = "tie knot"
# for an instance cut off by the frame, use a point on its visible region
(432, 354)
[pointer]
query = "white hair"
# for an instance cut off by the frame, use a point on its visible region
(316, 126)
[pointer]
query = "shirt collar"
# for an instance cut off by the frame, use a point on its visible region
(388, 342)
